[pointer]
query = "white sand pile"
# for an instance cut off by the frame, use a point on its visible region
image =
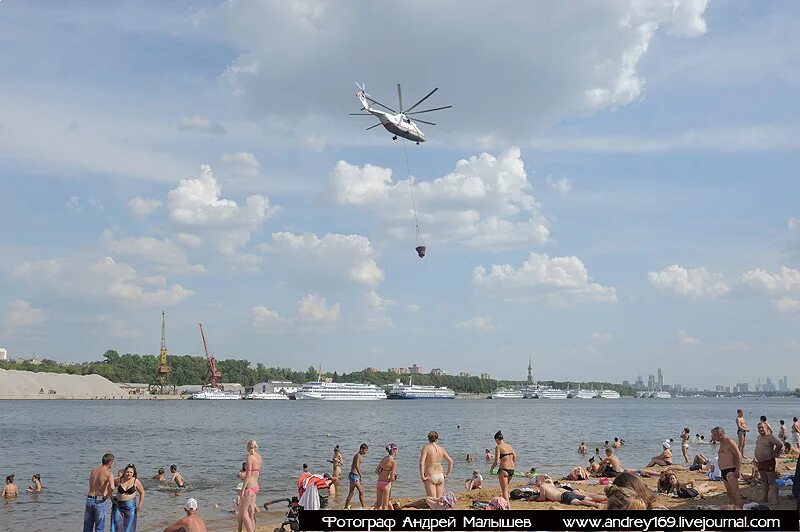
(15, 383)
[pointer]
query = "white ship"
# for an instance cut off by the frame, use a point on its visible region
(415, 391)
(506, 393)
(339, 391)
(609, 394)
(214, 394)
(266, 396)
(662, 395)
(586, 394)
(552, 393)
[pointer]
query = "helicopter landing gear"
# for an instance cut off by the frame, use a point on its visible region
(417, 143)
(394, 138)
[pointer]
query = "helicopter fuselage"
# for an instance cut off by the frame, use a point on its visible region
(399, 125)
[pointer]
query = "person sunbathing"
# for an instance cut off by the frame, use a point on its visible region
(663, 459)
(549, 492)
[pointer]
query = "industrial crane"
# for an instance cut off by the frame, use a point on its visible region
(214, 374)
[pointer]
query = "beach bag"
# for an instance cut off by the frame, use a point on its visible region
(686, 492)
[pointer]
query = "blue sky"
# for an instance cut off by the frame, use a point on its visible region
(612, 191)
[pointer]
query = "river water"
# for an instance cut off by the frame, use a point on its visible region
(63, 440)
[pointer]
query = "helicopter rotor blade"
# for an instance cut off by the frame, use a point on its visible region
(429, 110)
(400, 97)
(424, 122)
(379, 103)
(360, 114)
(370, 127)
(423, 99)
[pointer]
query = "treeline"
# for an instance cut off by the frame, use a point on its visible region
(192, 370)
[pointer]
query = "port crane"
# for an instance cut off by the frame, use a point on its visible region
(214, 373)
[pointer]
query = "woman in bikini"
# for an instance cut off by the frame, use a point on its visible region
(685, 435)
(125, 509)
(430, 466)
(387, 473)
(505, 459)
(250, 487)
(337, 464)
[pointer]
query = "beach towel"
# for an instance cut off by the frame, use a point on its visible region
(310, 498)
(715, 473)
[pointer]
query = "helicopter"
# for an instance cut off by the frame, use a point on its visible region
(396, 122)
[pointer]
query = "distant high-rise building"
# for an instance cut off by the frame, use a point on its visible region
(639, 385)
(742, 387)
(651, 381)
(3, 354)
(660, 381)
(783, 384)
(415, 369)
(486, 376)
(769, 386)
(530, 371)
(626, 384)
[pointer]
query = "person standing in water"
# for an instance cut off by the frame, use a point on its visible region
(337, 464)
(177, 478)
(685, 435)
(36, 486)
(125, 509)
(250, 488)
(10, 490)
(101, 483)
(741, 430)
(387, 473)
(430, 466)
(355, 477)
(505, 460)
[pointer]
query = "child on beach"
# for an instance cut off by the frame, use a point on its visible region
(475, 482)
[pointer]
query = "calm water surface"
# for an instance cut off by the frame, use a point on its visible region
(63, 440)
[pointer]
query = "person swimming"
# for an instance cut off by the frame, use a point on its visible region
(582, 448)
(489, 455)
(10, 490)
(430, 466)
(36, 486)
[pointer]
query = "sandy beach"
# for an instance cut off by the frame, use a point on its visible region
(714, 498)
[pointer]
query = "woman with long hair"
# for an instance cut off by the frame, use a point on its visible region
(505, 460)
(250, 488)
(125, 508)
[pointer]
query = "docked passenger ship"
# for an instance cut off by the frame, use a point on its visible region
(609, 394)
(339, 391)
(415, 391)
(506, 393)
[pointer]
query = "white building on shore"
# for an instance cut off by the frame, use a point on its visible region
(3, 354)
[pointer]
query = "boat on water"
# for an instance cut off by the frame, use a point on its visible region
(586, 394)
(339, 391)
(552, 393)
(266, 396)
(609, 394)
(416, 391)
(662, 395)
(506, 393)
(214, 394)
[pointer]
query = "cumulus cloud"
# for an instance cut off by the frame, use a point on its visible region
(313, 315)
(785, 280)
(302, 40)
(165, 255)
(142, 207)
(695, 283)
(376, 311)
(559, 281)
(101, 279)
(334, 257)
(561, 184)
(22, 319)
(197, 206)
(314, 308)
(485, 202)
(787, 305)
(243, 163)
(200, 123)
(480, 324)
(685, 339)
(264, 319)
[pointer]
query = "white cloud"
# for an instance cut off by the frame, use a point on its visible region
(74, 203)
(686, 340)
(480, 324)
(264, 319)
(244, 163)
(561, 184)
(200, 123)
(560, 281)
(346, 258)
(165, 255)
(315, 309)
(22, 319)
(786, 280)
(794, 223)
(602, 337)
(142, 207)
(485, 202)
(101, 278)
(376, 311)
(695, 283)
(197, 206)
(306, 45)
(787, 305)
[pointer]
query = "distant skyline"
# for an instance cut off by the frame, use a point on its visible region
(613, 191)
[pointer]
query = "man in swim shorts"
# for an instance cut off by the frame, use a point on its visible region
(741, 430)
(730, 464)
(177, 478)
(768, 447)
(355, 477)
